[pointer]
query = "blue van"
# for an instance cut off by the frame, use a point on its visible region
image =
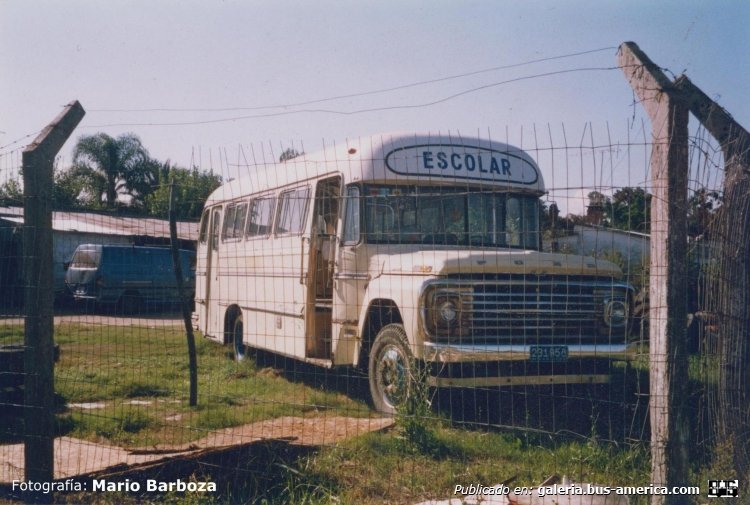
(128, 277)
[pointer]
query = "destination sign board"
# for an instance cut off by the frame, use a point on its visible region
(458, 161)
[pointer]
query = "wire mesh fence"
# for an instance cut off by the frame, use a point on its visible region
(380, 321)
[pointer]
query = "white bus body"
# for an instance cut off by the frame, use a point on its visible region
(404, 249)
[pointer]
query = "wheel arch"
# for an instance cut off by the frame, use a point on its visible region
(380, 313)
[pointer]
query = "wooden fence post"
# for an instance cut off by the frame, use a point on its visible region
(730, 232)
(668, 275)
(184, 304)
(38, 158)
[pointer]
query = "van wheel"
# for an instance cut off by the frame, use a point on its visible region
(240, 349)
(391, 369)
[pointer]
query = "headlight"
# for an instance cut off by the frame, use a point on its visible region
(615, 313)
(447, 311)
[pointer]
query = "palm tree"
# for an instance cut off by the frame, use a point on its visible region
(115, 165)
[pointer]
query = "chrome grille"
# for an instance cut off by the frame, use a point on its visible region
(533, 310)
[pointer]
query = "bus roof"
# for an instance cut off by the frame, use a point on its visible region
(398, 158)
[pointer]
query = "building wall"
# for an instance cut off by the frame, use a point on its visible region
(596, 241)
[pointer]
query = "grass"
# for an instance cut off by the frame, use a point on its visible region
(388, 471)
(140, 376)
(380, 468)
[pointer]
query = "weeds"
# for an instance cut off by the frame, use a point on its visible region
(415, 420)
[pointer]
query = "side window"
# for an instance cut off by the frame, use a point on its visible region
(260, 217)
(234, 221)
(228, 220)
(215, 227)
(203, 235)
(292, 210)
(351, 217)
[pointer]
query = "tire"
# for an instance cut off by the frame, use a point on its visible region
(391, 369)
(239, 348)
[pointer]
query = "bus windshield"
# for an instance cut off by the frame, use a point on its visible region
(450, 216)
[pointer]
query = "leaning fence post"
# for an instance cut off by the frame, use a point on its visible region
(192, 358)
(38, 158)
(668, 276)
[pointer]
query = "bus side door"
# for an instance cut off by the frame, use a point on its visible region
(214, 327)
(320, 268)
(350, 280)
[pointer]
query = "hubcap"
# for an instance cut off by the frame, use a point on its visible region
(392, 375)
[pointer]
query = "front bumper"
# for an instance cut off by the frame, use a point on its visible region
(449, 353)
(509, 365)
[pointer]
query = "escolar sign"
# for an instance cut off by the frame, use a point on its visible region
(462, 162)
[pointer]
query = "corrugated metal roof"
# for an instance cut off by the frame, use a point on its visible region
(88, 222)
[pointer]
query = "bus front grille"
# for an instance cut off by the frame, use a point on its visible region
(533, 310)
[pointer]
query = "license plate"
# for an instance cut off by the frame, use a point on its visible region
(548, 353)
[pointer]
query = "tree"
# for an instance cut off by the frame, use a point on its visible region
(702, 207)
(74, 188)
(630, 209)
(596, 209)
(115, 166)
(288, 154)
(192, 186)
(11, 192)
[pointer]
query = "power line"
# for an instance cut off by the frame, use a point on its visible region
(365, 93)
(361, 111)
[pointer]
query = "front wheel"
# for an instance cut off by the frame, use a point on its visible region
(391, 369)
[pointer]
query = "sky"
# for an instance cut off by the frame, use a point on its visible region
(212, 83)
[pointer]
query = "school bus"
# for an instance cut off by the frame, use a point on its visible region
(406, 252)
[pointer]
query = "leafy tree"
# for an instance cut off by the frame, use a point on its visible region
(630, 209)
(597, 199)
(74, 188)
(596, 209)
(192, 188)
(288, 154)
(115, 166)
(11, 192)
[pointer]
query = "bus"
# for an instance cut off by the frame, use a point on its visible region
(405, 253)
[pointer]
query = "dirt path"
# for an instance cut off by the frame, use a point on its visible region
(78, 457)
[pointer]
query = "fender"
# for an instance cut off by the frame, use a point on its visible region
(404, 292)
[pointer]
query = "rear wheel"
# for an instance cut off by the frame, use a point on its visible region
(240, 349)
(391, 369)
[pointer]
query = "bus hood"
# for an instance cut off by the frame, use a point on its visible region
(448, 262)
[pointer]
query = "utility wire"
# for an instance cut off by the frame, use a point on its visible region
(361, 111)
(365, 93)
